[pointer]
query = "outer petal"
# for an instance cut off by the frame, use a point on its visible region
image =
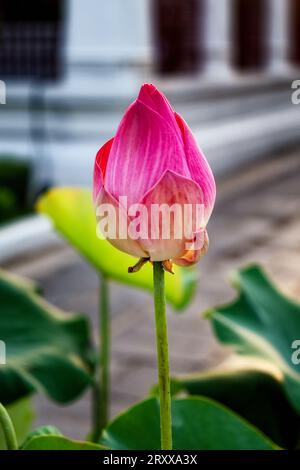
(172, 189)
(190, 257)
(154, 99)
(100, 167)
(198, 166)
(144, 148)
(119, 225)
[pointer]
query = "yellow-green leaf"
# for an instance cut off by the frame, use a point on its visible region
(72, 213)
(22, 416)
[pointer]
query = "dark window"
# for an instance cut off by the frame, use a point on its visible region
(249, 30)
(294, 51)
(31, 38)
(178, 29)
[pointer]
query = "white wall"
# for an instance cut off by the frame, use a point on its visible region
(278, 30)
(108, 30)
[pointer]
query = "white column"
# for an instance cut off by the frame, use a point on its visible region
(278, 31)
(217, 37)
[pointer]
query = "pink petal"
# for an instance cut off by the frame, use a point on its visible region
(171, 189)
(144, 148)
(199, 168)
(190, 257)
(126, 245)
(100, 167)
(154, 99)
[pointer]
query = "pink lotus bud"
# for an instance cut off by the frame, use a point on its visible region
(153, 188)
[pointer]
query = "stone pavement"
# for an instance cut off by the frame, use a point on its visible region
(256, 220)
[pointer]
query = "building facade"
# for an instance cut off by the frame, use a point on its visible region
(71, 67)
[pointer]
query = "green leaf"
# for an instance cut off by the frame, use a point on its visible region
(22, 415)
(42, 431)
(263, 324)
(253, 392)
(72, 213)
(45, 349)
(198, 424)
(50, 438)
(60, 443)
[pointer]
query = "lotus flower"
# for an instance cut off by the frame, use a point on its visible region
(152, 160)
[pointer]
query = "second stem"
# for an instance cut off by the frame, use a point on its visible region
(8, 429)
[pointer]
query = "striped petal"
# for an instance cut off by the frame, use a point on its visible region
(150, 96)
(144, 148)
(198, 166)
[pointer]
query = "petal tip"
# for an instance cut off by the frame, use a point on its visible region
(147, 88)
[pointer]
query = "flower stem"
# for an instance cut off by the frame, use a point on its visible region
(101, 391)
(162, 356)
(8, 429)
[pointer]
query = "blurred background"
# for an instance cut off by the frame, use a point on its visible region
(70, 69)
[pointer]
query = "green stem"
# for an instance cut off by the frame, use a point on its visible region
(8, 429)
(162, 356)
(101, 391)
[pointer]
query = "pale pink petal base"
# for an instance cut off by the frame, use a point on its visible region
(132, 247)
(171, 189)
